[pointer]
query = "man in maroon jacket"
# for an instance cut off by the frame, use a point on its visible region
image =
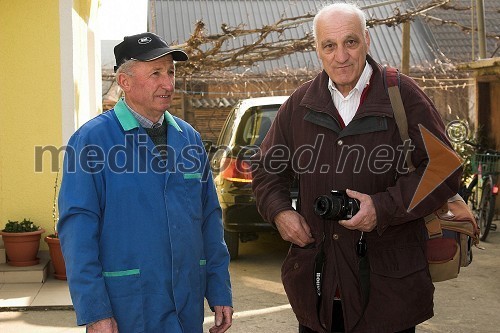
(367, 273)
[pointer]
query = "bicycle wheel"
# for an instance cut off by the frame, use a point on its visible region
(471, 195)
(486, 209)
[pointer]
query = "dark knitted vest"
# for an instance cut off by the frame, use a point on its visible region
(159, 137)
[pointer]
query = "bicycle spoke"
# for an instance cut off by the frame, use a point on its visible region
(486, 209)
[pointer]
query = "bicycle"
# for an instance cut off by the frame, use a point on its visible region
(481, 192)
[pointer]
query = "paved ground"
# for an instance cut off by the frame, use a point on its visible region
(470, 303)
(467, 304)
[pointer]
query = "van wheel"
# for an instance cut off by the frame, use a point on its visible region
(232, 241)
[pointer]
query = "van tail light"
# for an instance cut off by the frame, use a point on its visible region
(236, 170)
(494, 190)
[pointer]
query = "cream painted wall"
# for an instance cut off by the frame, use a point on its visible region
(50, 85)
(86, 61)
(30, 107)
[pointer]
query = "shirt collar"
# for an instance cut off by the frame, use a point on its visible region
(128, 121)
(145, 122)
(363, 80)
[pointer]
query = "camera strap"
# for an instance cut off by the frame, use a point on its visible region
(319, 265)
(364, 274)
(364, 279)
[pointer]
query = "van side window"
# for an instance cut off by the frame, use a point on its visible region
(256, 124)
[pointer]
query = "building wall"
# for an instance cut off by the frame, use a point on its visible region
(30, 104)
(204, 102)
(87, 77)
(495, 112)
(47, 88)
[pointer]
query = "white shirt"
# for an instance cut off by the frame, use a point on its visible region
(347, 106)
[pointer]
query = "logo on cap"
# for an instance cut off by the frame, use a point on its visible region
(144, 40)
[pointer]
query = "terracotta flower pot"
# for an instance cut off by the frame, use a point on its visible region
(56, 257)
(22, 247)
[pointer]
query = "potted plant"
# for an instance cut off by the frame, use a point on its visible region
(52, 241)
(22, 241)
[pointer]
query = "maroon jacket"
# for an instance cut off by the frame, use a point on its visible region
(364, 156)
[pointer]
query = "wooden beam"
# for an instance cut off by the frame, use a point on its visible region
(405, 57)
(481, 34)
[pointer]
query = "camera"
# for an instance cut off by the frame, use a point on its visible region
(336, 206)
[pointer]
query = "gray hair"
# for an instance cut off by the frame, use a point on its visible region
(340, 6)
(126, 67)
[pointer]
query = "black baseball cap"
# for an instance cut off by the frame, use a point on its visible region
(145, 47)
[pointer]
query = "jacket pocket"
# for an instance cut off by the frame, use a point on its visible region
(125, 293)
(193, 186)
(297, 274)
(397, 262)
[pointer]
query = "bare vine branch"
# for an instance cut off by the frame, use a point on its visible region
(216, 52)
(462, 27)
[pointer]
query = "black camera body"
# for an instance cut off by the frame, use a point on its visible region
(336, 206)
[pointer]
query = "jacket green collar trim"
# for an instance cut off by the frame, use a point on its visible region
(171, 121)
(128, 121)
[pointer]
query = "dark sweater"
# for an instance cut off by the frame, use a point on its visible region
(159, 137)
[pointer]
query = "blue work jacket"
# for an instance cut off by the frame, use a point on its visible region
(141, 234)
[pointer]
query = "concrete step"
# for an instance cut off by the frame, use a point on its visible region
(28, 274)
(2, 255)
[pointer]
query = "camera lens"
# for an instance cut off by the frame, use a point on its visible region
(328, 207)
(323, 206)
(336, 206)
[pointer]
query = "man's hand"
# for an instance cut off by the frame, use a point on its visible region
(223, 319)
(107, 325)
(293, 228)
(366, 218)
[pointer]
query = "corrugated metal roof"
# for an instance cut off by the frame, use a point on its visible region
(386, 46)
(175, 21)
(457, 44)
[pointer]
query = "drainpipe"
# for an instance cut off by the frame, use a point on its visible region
(152, 13)
(481, 35)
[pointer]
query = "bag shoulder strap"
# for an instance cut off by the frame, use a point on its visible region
(392, 82)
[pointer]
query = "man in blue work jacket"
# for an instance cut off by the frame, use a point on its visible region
(140, 224)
